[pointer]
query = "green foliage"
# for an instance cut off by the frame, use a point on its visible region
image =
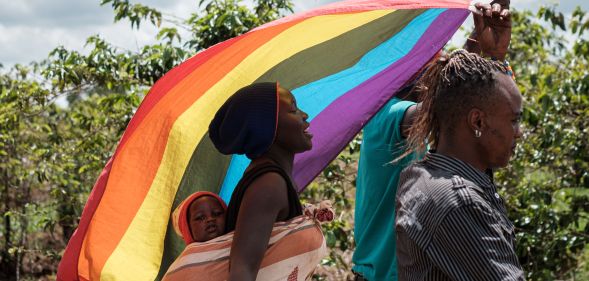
(52, 152)
(135, 13)
(50, 157)
(225, 19)
(62, 118)
(547, 183)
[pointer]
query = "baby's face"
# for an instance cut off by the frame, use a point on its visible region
(206, 218)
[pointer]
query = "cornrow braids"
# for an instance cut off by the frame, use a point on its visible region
(451, 86)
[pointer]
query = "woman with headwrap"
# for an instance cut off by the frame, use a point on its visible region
(268, 237)
(263, 122)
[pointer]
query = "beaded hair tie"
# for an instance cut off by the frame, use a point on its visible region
(509, 70)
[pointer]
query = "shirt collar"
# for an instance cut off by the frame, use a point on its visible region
(458, 167)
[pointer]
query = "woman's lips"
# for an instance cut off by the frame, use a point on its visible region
(307, 133)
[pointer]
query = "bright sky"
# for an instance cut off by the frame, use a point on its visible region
(30, 29)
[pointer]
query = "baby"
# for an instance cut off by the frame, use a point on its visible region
(200, 217)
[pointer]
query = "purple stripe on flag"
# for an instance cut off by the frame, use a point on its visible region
(336, 125)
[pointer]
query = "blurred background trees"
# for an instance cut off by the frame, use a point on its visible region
(61, 119)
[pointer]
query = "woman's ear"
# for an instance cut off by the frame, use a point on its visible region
(476, 120)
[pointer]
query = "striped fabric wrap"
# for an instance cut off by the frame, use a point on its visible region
(342, 62)
(295, 249)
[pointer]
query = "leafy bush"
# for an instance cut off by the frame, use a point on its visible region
(51, 153)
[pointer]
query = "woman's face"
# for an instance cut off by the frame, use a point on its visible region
(206, 218)
(292, 133)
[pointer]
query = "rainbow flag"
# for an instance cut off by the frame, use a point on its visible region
(342, 62)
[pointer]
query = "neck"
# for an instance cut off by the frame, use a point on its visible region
(282, 158)
(464, 150)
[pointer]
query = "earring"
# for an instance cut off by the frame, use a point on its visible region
(477, 133)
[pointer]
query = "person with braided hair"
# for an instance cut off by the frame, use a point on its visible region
(451, 223)
(384, 140)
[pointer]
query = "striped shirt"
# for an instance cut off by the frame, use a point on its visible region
(452, 224)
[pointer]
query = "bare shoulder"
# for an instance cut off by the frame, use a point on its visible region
(269, 189)
(408, 119)
(269, 180)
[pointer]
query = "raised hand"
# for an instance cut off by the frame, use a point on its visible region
(493, 28)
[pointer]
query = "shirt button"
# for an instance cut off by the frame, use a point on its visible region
(496, 195)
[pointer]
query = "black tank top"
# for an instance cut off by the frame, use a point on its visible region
(294, 204)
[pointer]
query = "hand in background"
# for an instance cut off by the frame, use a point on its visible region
(493, 28)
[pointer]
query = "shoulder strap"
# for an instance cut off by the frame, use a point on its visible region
(294, 204)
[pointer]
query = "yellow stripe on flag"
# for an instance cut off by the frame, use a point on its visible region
(138, 255)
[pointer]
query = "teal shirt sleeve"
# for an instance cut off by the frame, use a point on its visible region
(376, 187)
(395, 115)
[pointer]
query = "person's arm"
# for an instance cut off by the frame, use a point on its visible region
(471, 244)
(492, 30)
(491, 37)
(408, 119)
(472, 45)
(263, 202)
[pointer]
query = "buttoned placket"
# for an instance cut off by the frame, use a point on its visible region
(483, 180)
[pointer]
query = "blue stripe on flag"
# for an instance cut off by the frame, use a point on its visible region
(316, 96)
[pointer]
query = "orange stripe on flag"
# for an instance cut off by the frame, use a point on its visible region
(127, 188)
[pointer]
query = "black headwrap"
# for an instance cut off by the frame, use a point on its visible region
(246, 122)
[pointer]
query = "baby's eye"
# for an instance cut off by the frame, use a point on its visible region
(200, 218)
(218, 213)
